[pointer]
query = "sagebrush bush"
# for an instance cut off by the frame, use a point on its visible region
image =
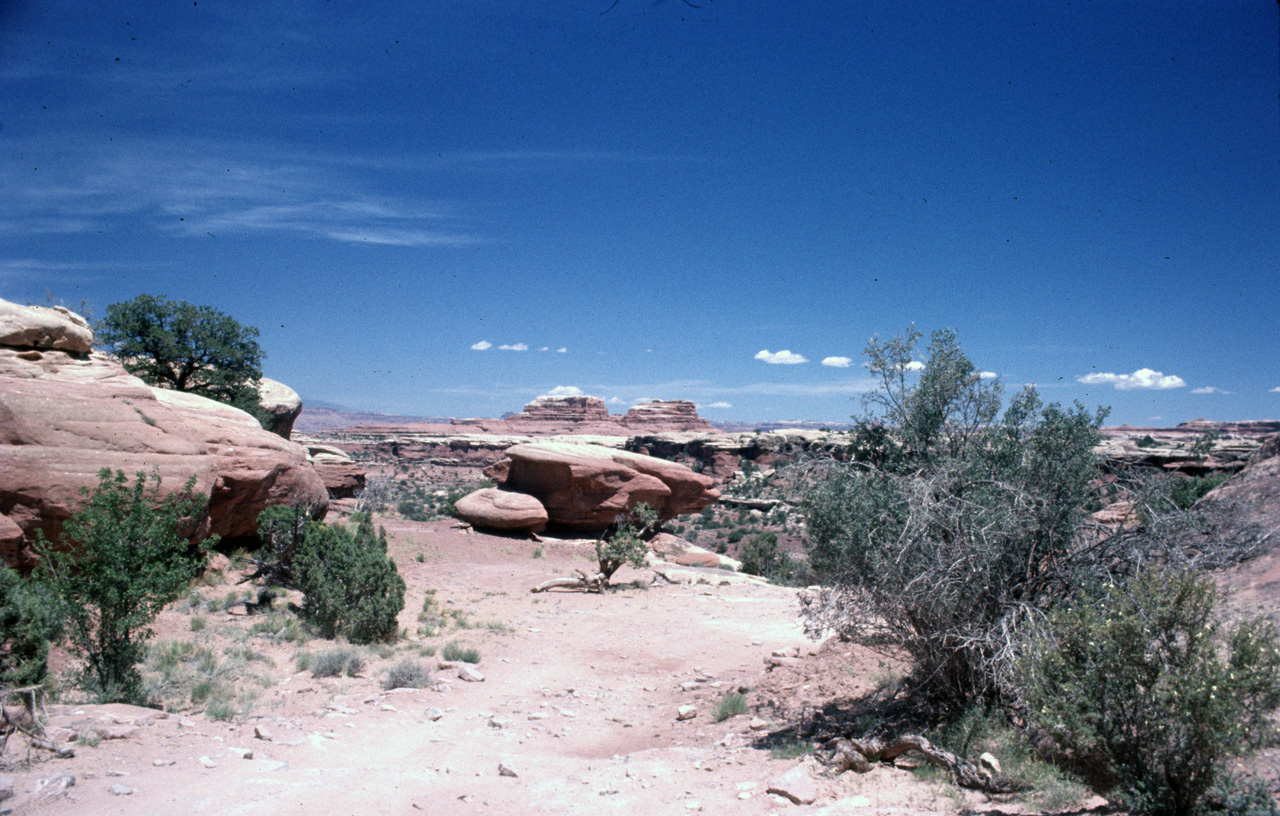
(340, 661)
(407, 673)
(351, 586)
(1149, 679)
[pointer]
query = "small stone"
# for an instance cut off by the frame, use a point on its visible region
(538, 715)
(245, 753)
(497, 722)
(686, 712)
(692, 805)
(207, 762)
(757, 724)
(503, 770)
(163, 763)
(564, 712)
(470, 674)
(6, 788)
(744, 795)
(120, 790)
(263, 733)
(434, 714)
(114, 772)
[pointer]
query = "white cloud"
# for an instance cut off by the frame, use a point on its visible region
(1210, 389)
(615, 401)
(481, 346)
(516, 347)
(1275, 390)
(837, 362)
(987, 375)
(561, 350)
(564, 391)
(716, 405)
(544, 348)
(783, 357)
(1143, 378)
(914, 365)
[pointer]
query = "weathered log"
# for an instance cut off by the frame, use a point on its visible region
(591, 583)
(861, 756)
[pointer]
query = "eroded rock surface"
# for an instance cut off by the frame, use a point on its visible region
(282, 403)
(64, 416)
(495, 509)
(586, 487)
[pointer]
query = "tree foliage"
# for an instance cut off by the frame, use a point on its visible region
(123, 557)
(624, 543)
(28, 623)
(954, 521)
(177, 345)
(1148, 679)
(351, 586)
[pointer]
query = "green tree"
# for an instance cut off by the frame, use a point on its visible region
(177, 345)
(123, 557)
(350, 584)
(28, 623)
(953, 522)
(1147, 679)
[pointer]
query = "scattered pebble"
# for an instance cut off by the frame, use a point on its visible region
(207, 762)
(120, 790)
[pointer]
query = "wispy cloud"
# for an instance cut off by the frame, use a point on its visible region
(784, 357)
(721, 404)
(987, 375)
(561, 350)
(1275, 390)
(837, 362)
(513, 347)
(1143, 378)
(222, 189)
(483, 345)
(1210, 389)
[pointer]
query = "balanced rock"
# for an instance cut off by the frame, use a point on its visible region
(64, 416)
(502, 510)
(281, 404)
(586, 487)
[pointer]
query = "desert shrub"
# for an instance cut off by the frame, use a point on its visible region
(1147, 441)
(736, 536)
(124, 556)
(349, 583)
(407, 674)
(761, 556)
(625, 542)
(952, 524)
(455, 651)
(1149, 679)
(340, 661)
(1186, 492)
(28, 623)
(732, 704)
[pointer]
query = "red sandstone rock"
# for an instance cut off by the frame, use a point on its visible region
(502, 510)
(281, 403)
(342, 477)
(1255, 491)
(680, 415)
(64, 417)
(585, 487)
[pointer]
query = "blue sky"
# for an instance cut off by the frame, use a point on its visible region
(637, 204)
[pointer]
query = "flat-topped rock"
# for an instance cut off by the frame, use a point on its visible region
(586, 487)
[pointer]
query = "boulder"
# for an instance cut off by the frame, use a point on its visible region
(585, 487)
(502, 510)
(678, 551)
(44, 327)
(1253, 494)
(65, 416)
(281, 403)
(342, 477)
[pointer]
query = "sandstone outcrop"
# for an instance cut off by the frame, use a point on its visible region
(281, 403)
(66, 415)
(44, 327)
(581, 414)
(342, 476)
(666, 414)
(496, 509)
(585, 487)
(1254, 492)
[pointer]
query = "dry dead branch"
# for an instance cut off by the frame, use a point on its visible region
(861, 756)
(590, 583)
(25, 717)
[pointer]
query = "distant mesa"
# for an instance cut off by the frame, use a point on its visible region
(572, 414)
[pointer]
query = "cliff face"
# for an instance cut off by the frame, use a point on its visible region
(560, 415)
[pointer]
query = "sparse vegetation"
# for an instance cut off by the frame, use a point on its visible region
(339, 661)
(454, 651)
(29, 621)
(407, 674)
(732, 704)
(351, 587)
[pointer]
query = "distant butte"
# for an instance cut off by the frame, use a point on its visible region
(589, 415)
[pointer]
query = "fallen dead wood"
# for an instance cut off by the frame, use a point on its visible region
(27, 719)
(861, 756)
(590, 583)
